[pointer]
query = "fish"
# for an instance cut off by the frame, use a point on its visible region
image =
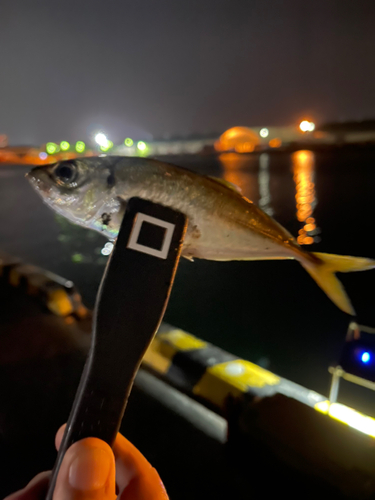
(223, 225)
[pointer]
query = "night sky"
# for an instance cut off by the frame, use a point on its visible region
(158, 68)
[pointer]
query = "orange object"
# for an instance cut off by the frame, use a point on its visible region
(275, 143)
(239, 139)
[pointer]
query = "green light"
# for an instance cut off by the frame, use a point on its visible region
(80, 146)
(143, 148)
(108, 146)
(64, 145)
(128, 142)
(51, 148)
(77, 257)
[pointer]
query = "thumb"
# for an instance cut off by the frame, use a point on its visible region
(87, 472)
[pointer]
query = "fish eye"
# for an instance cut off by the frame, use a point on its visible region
(66, 174)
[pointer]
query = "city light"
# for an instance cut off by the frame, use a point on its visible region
(51, 148)
(275, 143)
(64, 145)
(101, 139)
(245, 147)
(128, 142)
(141, 146)
(80, 146)
(107, 146)
(307, 126)
(239, 139)
(264, 132)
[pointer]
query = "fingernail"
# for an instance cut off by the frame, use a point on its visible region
(90, 469)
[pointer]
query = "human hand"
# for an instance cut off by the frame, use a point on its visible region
(90, 470)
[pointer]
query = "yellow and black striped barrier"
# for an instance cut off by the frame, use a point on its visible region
(58, 294)
(195, 366)
(204, 370)
(214, 376)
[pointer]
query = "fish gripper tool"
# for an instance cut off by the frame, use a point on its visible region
(130, 305)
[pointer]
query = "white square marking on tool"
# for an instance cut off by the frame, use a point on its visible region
(163, 252)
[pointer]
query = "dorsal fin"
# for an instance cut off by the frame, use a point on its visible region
(228, 184)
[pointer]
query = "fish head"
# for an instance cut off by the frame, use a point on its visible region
(80, 190)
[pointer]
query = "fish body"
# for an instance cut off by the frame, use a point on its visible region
(222, 224)
(219, 218)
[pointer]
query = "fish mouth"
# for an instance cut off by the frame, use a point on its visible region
(38, 178)
(37, 169)
(29, 174)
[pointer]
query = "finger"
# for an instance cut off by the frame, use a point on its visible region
(136, 477)
(87, 472)
(35, 490)
(59, 436)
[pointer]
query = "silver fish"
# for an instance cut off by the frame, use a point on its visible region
(222, 224)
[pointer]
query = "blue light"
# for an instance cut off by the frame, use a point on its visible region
(365, 357)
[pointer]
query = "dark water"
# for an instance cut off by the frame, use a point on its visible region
(271, 313)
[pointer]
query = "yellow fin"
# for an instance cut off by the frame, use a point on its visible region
(324, 275)
(228, 184)
(345, 263)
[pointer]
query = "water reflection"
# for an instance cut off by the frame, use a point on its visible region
(82, 246)
(236, 171)
(303, 175)
(264, 184)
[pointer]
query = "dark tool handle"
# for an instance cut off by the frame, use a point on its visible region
(130, 306)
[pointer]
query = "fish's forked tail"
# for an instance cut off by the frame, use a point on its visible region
(323, 272)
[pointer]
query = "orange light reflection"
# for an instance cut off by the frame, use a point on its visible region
(303, 176)
(236, 171)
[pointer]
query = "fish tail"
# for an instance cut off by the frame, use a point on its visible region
(323, 272)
